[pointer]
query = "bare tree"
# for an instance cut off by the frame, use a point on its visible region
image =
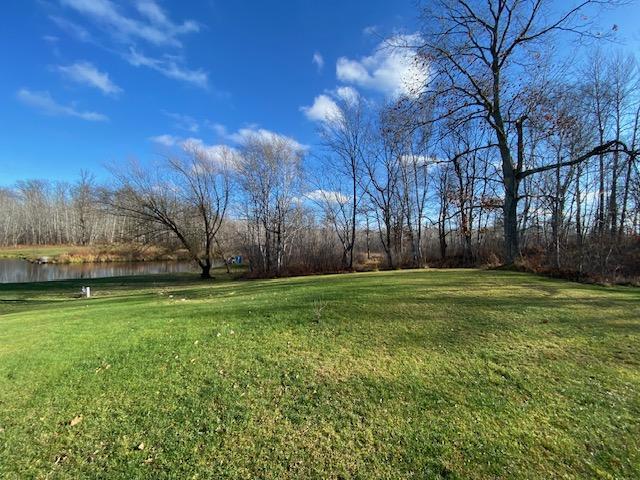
(344, 133)
(186, 196)
(485, 60)
(337, 208)
(270, 173)
(624, 83)
(382, 166)
(84, 205)
(413, 145)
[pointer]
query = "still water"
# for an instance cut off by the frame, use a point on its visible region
(18, 271)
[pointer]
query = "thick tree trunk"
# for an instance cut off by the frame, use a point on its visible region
(206, 269)
(443, 245)
(510, 211)
(442, 234)
(510, 207)
(389, 246)
(509, 172)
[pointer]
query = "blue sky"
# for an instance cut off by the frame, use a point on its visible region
(86, 83)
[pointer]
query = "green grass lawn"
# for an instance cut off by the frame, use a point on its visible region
(412, 374)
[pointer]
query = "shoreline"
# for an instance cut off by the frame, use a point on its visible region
(99, 254)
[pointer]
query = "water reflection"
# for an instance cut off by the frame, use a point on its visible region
(19, 271)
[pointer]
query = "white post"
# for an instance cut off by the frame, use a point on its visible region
(86, 291)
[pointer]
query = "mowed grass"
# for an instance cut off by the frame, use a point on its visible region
(412, 374)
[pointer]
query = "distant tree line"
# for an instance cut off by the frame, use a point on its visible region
(504, 155)
(44, 212)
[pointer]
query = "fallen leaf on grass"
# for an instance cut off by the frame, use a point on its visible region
(103, 367)
(141, 446)
(76, 420)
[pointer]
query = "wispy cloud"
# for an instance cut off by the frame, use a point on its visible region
(157, 16)
(318, 61)
(71, 28)
(391, 69)
(219, 129)
(152, 25)
(183, 122)
(169, 67)
(87, 74)
(165, 140)
(370, 30)
(327, 196)
(125, 25)
(43, 102)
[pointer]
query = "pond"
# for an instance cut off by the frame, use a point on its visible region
(19, 271)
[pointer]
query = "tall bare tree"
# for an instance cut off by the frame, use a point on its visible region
(485, 59)
(344, 133)
(186, 196)
(270, 174)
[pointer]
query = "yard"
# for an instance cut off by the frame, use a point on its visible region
(406, 374)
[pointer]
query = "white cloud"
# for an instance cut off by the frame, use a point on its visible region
(391, 69)
(245, 134)
(420, 160)
(218, 154)
(347, 94)
(152, 11)
(183, 122)
(46, 104)
(328, 196)
(86, 73)
(154, 26)
(165, 140)
(219, 129)
(370, 30)
(169, 68)
(318, 61)
(223, 152)
(324, 109)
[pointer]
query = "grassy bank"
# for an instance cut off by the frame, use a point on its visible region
(90, 254)
(411, 374)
